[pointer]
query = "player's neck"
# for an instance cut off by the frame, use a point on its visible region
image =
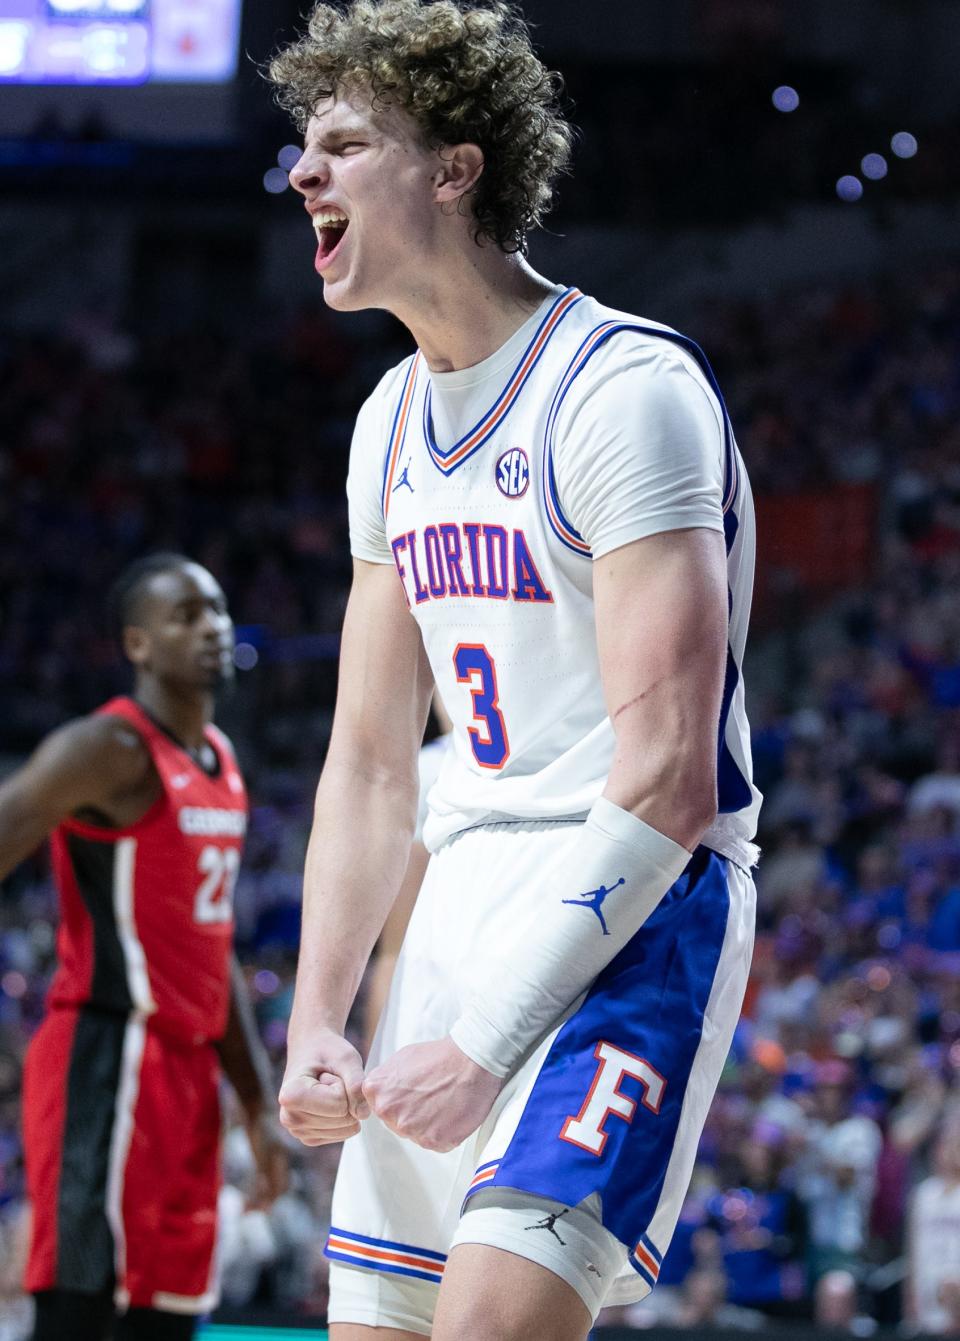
(184, 716)
(472, 308)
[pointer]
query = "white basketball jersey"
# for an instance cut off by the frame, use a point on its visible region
(492, 489)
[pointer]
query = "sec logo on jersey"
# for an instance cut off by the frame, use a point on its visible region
(513, 473)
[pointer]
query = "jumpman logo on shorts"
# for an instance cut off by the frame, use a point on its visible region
(593, 899)
(548, 1223)
(404, 479)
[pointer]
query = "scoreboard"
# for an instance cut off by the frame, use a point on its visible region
(118, 41)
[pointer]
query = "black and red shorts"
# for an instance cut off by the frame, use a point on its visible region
(122, 1137)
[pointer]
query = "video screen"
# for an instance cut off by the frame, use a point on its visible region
(118, 41)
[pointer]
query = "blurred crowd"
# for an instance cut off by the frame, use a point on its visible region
(831, 1160)
(705, 143)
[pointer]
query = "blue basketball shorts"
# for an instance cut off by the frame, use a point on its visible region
(583, 1164)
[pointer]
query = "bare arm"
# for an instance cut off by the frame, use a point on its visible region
(359, 844)
(247, 1067)
(242, 1055)
(388, 947)
(93, 763)
(661, 610)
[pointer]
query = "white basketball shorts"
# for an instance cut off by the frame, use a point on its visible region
(583, 1164)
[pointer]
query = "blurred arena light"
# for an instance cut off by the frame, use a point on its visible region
(13, 46)
(903, 144)
(96, 8)
(879, 978)
(245, 655)
(785, 98)
(849, 188)
(14, 984)
(874, 167)
(275, 180)
(288, 156)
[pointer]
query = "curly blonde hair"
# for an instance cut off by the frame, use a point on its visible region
(466, 73)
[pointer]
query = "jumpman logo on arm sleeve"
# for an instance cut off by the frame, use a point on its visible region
(593, 899)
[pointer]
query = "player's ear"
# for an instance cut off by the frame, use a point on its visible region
(136, 645)
(459, 171)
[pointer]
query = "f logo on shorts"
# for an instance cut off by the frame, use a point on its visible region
(604, 1098)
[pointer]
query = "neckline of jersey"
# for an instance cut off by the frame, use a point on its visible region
(164, 730)
(461, 379)
(525, 340)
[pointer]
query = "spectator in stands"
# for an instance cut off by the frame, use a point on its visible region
(703, 1303)
(835, 1305)
(933, 1242)
(762, 1226)
(941, 788)
(839, 1177)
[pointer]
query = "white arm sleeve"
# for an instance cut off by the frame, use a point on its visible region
(368, 535)
(607, 887)
(641, 449)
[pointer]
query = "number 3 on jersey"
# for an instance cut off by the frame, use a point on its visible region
(474, 666)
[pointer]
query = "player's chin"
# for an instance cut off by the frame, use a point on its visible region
(342, 296)
(217, 676)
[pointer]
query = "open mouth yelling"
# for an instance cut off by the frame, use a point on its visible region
(330, 227)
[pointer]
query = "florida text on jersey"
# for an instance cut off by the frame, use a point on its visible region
(491, 490)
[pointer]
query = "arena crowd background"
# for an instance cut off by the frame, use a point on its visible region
(169, 378)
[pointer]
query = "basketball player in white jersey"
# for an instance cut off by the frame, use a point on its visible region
(550, 520)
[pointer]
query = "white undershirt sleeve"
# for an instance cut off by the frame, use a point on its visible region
(368, 533)
(640, 450)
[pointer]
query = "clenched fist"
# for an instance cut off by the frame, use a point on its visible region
(431, 1093)
(321, 1099)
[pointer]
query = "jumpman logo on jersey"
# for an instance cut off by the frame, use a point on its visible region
(593, 900)
(404, 479)
(548, 1223)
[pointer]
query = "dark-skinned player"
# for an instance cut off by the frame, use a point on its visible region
(146, 811)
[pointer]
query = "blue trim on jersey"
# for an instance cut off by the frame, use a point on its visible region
(393, 429)
(511, 390)
(733, 789)
(599, 335)
(650, 1001)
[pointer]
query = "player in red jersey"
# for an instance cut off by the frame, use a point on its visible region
(147, 812)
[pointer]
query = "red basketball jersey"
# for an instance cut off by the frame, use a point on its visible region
(147, 911)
